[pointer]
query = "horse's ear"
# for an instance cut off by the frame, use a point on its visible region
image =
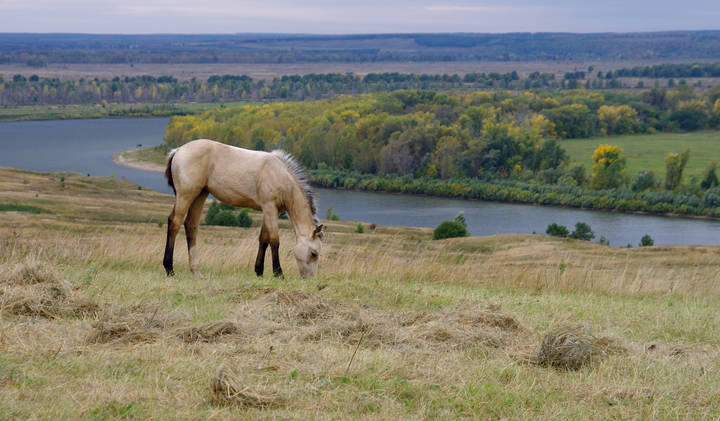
(319, 231)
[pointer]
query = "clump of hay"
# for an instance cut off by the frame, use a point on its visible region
(136, 324)
(301, 307)
(32, 271)
(226, 388)
(47, 300)
(208, 332)
(569, 347)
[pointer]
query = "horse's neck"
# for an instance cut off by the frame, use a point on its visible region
(300, 214)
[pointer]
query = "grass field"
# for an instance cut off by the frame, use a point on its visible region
(61, 112)
(396, 326)
(647, 152)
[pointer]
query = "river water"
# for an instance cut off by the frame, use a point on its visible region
(86, 147)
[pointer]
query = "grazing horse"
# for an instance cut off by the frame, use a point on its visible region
(272, 182)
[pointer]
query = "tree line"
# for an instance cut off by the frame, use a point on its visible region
(20, 90)
(479, 135)
(670, 70)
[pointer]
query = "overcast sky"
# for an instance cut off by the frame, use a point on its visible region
(358, 16)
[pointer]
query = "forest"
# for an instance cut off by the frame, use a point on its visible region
(20, 90)
(39, 50)
(471, 145)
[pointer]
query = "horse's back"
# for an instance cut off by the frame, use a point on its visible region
(230, 173)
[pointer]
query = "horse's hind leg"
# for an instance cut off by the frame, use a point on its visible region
(262, 248)
(182, 203)
(270, 223)
(191, 227)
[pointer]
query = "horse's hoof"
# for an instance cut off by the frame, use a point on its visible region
(170, 273)
(279, 275)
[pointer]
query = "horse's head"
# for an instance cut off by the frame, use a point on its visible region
(307, 252)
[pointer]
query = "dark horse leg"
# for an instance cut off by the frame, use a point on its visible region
(182, 203)
(191, 228)
(260, 260)
(269, 235)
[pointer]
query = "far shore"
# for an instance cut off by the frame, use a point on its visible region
(129, 159)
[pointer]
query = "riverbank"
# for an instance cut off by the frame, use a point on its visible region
(146, 159)
(505, 191)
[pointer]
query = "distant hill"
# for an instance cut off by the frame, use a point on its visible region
(40, 49)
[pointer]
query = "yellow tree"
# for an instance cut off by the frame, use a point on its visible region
(608, 171)
(622, 119)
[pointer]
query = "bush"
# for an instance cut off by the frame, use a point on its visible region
(646, 240)
(243, 219)
(449, 229)
(359, 229)
(212, 212)
(556, 230)
(645, 181)
(224, 218)
(582, 232)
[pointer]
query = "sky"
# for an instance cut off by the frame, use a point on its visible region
(357, 16)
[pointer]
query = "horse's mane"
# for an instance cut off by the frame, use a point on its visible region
(301, 176)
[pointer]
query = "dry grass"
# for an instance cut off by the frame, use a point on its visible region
(397, 326)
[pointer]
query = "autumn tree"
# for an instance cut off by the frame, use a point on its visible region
(621, 119)
(608, 171)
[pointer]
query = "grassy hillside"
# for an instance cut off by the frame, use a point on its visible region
(647, 152)
(396, 326)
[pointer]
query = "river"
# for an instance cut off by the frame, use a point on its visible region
(86, 147)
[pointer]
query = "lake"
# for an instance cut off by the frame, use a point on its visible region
(86, 147)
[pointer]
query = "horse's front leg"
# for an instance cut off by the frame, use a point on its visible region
(262, 247)
(191, 227)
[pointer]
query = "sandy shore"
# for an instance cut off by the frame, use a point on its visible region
(123, 158)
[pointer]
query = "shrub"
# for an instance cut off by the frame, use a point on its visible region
(212, 212)
(243, 219)
(646, 240)
(556, 230)
(582, 232)
(449, 229)
(359, 229)
(644, 181)
(224, 218)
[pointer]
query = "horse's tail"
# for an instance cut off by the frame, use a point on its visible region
(168, 170)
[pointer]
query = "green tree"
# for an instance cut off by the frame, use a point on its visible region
(582, 232)
(645, 181)
(557, 230)
(646, 240)
(674, 166)
(709, 177)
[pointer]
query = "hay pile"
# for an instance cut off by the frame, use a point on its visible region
(137, 324)
(226, 388)
(295, 314)
(571, 347)
(32, 288)
(208, 332)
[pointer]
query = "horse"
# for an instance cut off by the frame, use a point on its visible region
(271, 182)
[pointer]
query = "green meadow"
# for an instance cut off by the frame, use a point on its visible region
(647, 152)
